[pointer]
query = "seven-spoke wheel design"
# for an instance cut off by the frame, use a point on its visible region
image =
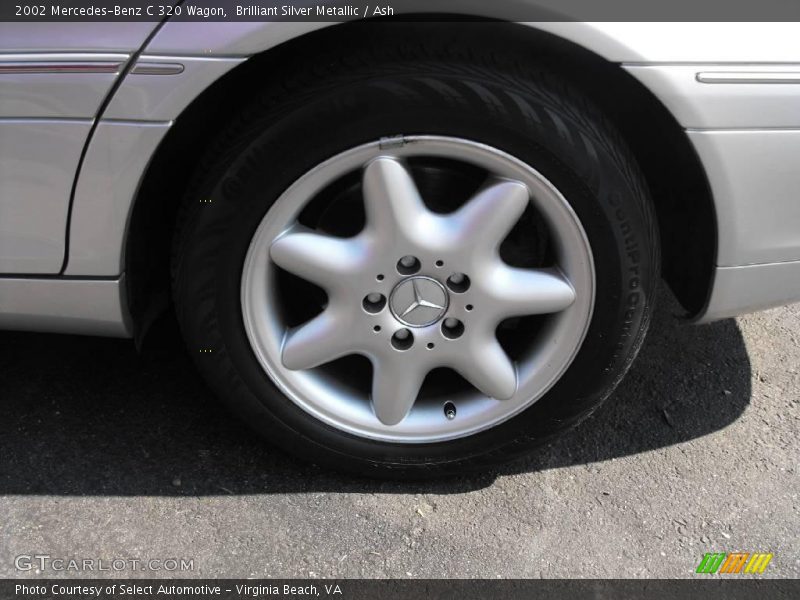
(418, 291)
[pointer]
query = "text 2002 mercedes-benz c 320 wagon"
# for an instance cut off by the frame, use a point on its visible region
(403, 248)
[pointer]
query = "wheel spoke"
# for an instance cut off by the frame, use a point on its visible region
(394, 389)
(392, 201)
(489, 369)
(519, 292)
(318, 258)
(488, 217)
(322, 339)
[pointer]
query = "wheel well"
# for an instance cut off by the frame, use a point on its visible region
(673, 172)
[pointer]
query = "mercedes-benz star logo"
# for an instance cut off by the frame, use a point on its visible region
(418, 301)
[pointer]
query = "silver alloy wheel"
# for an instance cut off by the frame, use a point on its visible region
(415, 291)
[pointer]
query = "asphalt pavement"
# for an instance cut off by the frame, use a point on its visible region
(108, 453)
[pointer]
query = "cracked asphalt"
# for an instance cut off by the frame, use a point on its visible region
(109, 453)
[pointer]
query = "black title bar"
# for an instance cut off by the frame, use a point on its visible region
(216, 11)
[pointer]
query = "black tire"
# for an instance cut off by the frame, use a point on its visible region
(434, 87)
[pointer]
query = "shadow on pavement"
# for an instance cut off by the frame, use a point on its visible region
(90, 416)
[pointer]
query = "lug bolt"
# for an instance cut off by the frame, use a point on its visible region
(373, 302)
(452, 328)
(458, 283)
(402, 339)
(408, 265)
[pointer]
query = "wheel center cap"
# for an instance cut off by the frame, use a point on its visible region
(418, 301)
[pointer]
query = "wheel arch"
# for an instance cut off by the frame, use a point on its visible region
(672, 169)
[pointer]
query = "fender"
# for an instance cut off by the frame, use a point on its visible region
(53, 88)
(185, 58)
(179, 63)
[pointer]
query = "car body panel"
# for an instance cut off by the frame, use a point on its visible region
(743, 95)
(759, 221)
(53, 80)
(91, 307)
(112, 170)
(56, 85)
(38, 159)
(678, 42)
(66, 37)
(739, 290)
(133, 124)
(163, 97)
(755, 176)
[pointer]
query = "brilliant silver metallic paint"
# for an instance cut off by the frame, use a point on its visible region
(163, 98)
(745, 289)
(466, 241)
(648, 47)
(92, 307)
(111, 174)
(71, 37)
(44, 122)
(700, 105)
(758, 175)
(747, 136)
(73, 85)
(47, 103)
(38, 159)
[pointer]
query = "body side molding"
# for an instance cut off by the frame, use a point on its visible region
(84, 306)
